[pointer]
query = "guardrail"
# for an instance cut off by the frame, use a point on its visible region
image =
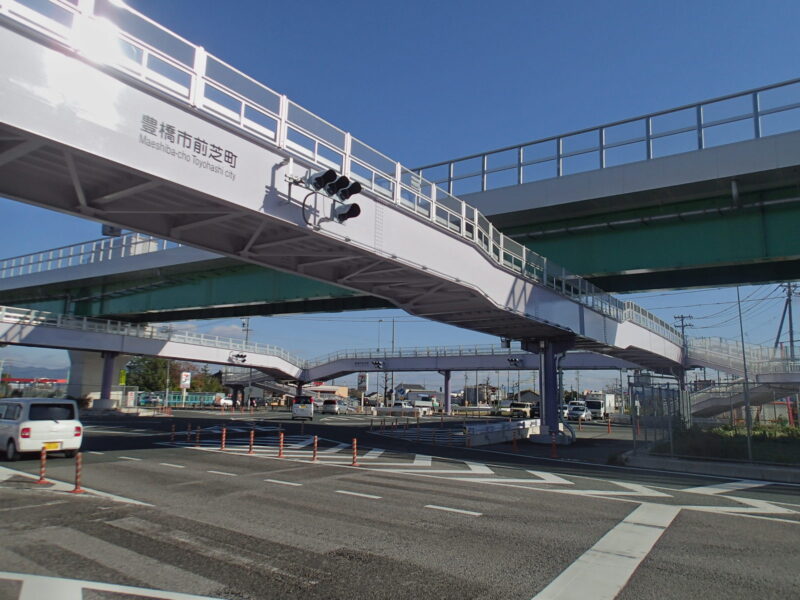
(91, 252)
(117, 37)
(742, 116)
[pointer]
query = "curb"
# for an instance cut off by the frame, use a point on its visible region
(720, 469)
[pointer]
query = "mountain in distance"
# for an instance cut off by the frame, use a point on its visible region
(35, 372)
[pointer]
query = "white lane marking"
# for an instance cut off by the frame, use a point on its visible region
(546, 477)
(422, 460)
(605, 568)
(32, 506)
(339, 446)
(374, 453)
(35, 587)
(360, 495)
(61, 486)
(95, 452)
(479, 468)
(223, 473)
(455, 510)
(128, 458)
(172, 465)
(281, 482)
(728, 486)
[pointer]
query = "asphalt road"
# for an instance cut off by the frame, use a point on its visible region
(411, 521)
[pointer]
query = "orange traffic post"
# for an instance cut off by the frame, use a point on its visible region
(224, 435)
(189, 432)
(78, 469)
(314, 452)
(197, 437)
(580, 424)
(172, 433)
(42, 466)
(280, 444)
(252, 439)
(608, 422)
(355, 453)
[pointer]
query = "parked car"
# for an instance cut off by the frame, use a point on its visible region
(330, 407)
(150, 399)
(579, 411)
(30, 424)
(303, 407)
(523, 410)
(223, 401)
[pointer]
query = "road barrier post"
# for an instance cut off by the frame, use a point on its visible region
(197, 437)
(172, 433)
(42, 466)
(580, 423)
(224, 435)
(370, 424)
(78, 469)
(608, 421)
(189, 432)
(252, 439)
(355, 453)
(314, 452)
(280, 444)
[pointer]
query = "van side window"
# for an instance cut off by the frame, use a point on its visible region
(13, 411)
(3, 411)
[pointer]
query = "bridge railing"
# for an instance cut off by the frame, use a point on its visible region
(411, 352)
(91, 252)
(115, 36)
(742, 116)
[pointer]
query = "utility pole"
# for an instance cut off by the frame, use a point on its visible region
(246, 329)
(683, 325)
(787, 308)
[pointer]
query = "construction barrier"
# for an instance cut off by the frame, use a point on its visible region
(42, 466)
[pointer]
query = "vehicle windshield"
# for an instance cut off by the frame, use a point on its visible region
(52, 412)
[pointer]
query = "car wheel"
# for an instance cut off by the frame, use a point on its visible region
(70, 453)
(11, 451)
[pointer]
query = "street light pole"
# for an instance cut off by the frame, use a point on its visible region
(746, 389)
(246, 329)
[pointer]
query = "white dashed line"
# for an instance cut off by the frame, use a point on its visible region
(222, 473)
(129, 458)
(171, 465)
(94, 452)
(279, 482)
(455, 510)
(370, 496)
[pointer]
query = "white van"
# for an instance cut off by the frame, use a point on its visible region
(303, 407)
(30, 424)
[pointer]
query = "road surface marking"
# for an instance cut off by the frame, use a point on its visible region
(280, 482)
(374, 453)
(95, 452)
(129, 458)
(605, 568)
(223, 473)
(422, 460)
(728, 486)
(173, 466)
(546, 477)
(340, 446)
(61, 486)
(370, 496)
(455, 510)
(32, 505)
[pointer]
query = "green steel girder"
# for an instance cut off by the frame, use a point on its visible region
(212, 289)
(698, 243)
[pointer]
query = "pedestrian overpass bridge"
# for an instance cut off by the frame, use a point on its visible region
(121, 340)
(105, 114)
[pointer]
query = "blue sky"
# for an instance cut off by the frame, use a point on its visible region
(429, 81)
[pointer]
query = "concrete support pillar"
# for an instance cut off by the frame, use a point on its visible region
(447, 408)
(93, 374)
(550, 352)
(299, 391)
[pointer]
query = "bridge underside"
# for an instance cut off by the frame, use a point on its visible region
(200, 290)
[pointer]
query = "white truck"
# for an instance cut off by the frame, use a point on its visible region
(600, 404)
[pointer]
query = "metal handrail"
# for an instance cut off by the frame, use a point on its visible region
(234, 100)
(694, 111)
